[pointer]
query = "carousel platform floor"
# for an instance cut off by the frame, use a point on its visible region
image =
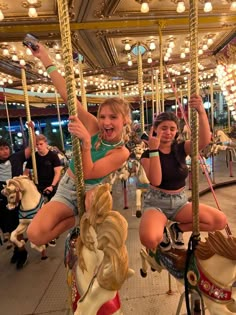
(40, 287)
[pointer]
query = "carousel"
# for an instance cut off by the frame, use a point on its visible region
(154, 55)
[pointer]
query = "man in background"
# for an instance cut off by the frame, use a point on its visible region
(49, 170)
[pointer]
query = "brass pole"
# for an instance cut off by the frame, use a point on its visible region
(8, 121)
(193, 20)
(67, 54)
(28, 117)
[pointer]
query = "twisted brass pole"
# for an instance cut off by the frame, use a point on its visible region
(152, 87)
(28, 117)
(71, 96)
(140, 87)
(157, 94)
(8, 120)
(161, 71)
(193, 25)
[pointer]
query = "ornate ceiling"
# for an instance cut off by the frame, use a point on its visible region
(100, 30)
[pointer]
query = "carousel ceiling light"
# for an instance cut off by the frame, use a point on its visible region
(32, 5)
(207, 6)
(32, 12)
(127, 46)
(152, 45)
(32, 1)
(1, 15)
(144, 5)
(233, 6)
(180, 6)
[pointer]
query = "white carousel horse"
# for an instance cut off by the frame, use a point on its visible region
(22, 190)
(97, 261)
(133, 168)
(212, 270)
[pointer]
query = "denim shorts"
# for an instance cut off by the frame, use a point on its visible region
(66, 193)
(168, 204)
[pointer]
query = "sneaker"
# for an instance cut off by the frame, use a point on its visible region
(177, 236)
(52, 243)
(22, 259)
(165, 245)
(14, 257)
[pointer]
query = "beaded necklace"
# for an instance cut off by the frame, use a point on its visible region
(112, 144)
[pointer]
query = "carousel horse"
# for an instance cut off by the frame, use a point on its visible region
(22, 190)
(211, 270)
(133, 168)
(96, 257)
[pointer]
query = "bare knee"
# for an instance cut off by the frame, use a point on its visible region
(151, 228)
(35, 235)
(150, 241)
(220, 221)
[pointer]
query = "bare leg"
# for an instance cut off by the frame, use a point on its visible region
(151, 228)
(210, 219)
(53, 219)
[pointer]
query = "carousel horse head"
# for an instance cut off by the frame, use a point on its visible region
(18, 189)
(222, 137)
(14, 190)
(212, 270)
(102, 264)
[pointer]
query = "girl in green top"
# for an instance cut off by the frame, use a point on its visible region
(102, 149)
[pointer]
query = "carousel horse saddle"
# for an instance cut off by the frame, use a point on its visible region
(173, 260)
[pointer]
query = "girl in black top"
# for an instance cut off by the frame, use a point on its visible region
(166, 169)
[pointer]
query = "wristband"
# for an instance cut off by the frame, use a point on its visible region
(154, 154)
(51, 68)
(156, 150)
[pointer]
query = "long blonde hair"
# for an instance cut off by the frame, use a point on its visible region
(118, 106)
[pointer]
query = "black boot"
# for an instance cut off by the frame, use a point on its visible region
(22, 258)
(14, 257)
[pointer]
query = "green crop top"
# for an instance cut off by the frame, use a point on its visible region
(96, 155)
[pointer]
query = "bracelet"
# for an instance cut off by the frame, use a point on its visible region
(156, 150)
(153, 154)
(51, 68)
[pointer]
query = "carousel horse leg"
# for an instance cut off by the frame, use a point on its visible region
(138, 202)
(21, 228)
(125, 194)
(41, 249)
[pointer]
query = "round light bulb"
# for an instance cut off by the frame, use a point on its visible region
(130, 63)
(233, 6)
(127, 46)
(144, 7)
(180, 7)
(1, 15)
(32, 12)
(207, 6)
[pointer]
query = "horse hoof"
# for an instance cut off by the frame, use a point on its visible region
(138, 214)
(126, 208)
(143, 274)
(44, 257)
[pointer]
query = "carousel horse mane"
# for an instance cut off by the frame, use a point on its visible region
(111, 232)
(222, 136)
(217, 243)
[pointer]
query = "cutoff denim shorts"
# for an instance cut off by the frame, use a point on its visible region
(168, 204)
(66, 193)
